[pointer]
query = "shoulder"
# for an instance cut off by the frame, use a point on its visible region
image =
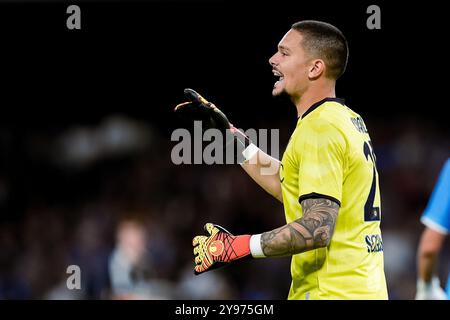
(437, 213)
(444, 176)
(324, 121)
(334, 116)
(446, 169)
(320, 133)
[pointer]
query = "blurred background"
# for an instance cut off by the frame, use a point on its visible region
(86, 176)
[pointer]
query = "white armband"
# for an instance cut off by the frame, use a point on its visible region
(250, 151)
(255, 246)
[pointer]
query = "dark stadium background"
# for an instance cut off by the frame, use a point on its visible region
(86, 120)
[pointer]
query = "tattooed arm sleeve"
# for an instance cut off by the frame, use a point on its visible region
(313, 230)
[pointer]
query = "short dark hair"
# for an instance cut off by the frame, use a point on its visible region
(327, 42)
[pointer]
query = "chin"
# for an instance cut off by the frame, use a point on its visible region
(278, 92)
(281, 95)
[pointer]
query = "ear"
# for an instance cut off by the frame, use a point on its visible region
(316, 69)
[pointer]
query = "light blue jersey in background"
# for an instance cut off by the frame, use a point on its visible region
(437, 213)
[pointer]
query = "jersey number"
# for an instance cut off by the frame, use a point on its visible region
(371, 213)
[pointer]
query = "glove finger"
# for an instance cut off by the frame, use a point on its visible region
(181, 105)
(198, 269)
(203, 266)
(197, 250)
(198, 260)
(194, 96)
(198, 239)
(211, 229)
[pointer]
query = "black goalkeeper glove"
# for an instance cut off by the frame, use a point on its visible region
(200, 109)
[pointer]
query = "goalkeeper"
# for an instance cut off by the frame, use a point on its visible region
(327, 180)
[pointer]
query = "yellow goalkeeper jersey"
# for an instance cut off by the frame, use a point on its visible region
(330, 155)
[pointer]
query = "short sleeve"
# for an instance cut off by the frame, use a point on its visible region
(437, 213)
(320, 152)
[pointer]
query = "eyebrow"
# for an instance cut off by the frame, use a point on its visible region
(283, 48)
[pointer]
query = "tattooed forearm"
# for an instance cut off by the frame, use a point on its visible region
(313, 230)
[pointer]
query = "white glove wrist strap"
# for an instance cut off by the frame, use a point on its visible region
(250, 151)
(255, 246)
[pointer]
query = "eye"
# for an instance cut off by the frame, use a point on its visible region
(284, 54)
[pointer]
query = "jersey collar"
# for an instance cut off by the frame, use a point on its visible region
(319, 103)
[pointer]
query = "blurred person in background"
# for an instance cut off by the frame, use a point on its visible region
(436, 219)
(131, 270)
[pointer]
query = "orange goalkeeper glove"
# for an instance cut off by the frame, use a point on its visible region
(219, 248)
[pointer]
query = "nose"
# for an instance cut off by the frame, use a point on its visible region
(273, 60)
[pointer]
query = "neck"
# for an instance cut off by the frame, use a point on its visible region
(306, 100)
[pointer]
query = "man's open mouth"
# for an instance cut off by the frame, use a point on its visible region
(279, 75)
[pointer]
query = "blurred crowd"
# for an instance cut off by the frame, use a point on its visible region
(107, 198)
